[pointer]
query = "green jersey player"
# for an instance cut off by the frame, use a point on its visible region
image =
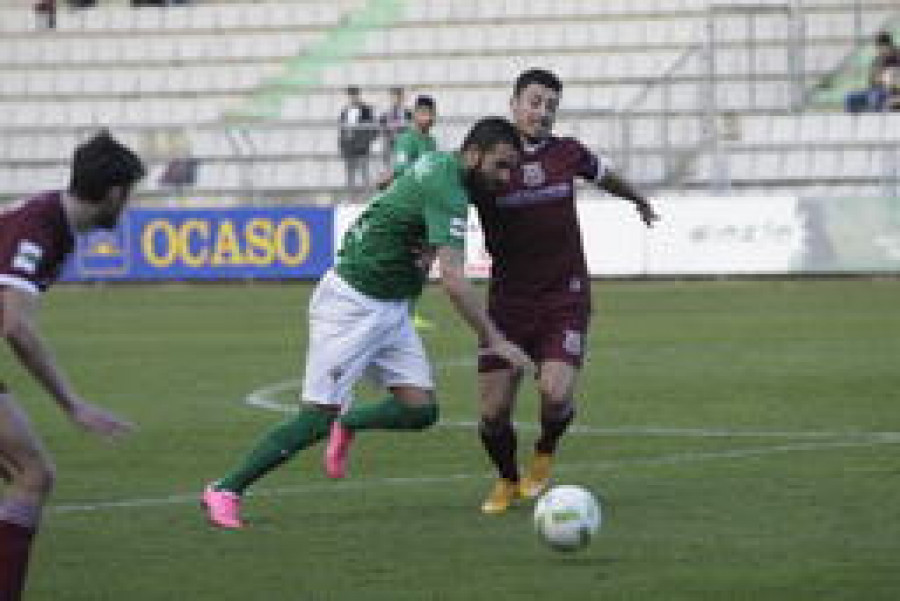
(416, 140)
(413, 142)
(359, 318)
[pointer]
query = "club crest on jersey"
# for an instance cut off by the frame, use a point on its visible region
(28, 257)
(533, 175)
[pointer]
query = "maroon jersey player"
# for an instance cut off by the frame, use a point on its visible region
(36, 236)
(539, 293)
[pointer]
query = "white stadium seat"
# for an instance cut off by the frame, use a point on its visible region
(187, 66)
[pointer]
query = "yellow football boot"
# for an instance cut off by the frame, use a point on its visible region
(504, 493)
(537, 476)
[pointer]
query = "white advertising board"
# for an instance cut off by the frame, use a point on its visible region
(737, 235)
(695, 236)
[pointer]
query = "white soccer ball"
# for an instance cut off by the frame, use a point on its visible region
(567, 517)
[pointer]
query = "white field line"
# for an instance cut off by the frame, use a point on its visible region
(263, 399)
(563, 468)
(804, 441)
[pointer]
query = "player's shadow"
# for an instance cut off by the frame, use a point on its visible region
(599, 568)
(581, 561)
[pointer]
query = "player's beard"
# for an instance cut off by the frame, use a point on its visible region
(108, 219)
(424, 258)
(477, 184)
(111, 211)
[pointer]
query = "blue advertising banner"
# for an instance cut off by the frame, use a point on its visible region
(209, 244)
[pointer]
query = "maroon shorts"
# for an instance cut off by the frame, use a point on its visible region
(552, 328)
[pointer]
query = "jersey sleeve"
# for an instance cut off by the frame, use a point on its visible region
(22, 261)
(445, 203)
(589, 165)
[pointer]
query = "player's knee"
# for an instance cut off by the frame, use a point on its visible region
(424, 416)
(562, 411)
(555, 394)
(497, 413)
(491, 426)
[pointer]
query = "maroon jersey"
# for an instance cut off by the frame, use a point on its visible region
(35, 239)
(531, 229)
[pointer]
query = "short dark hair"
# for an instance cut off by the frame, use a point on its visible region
(100, 164)
(539, 76)
(491, 131)
(884, 38)
(424, 102)
(353, 90)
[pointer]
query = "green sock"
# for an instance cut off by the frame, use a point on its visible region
(277, 446)
(390, 414)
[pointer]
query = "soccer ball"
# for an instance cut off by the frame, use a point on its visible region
(567, 517)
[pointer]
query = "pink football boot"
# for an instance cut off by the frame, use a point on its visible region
(223, 508)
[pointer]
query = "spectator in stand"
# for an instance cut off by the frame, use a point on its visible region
(181, 169)
(157, 2)
(884, 79)
(45, 11)
(393, 121)
(357, 132)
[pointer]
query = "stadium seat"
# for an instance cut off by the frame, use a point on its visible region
(184, 66)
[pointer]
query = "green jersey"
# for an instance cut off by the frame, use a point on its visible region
(424, 207)
(409, 146)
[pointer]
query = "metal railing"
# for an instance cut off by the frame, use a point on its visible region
(791, 11)
(637, 107)
(891, 169)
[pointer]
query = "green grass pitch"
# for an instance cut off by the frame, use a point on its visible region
(744, 436)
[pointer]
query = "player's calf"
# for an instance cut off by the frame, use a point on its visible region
(555, 420)
(389, 414)
(499, 439)
(420, 417)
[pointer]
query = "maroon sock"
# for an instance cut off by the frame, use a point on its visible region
(499, 439)
(15, 545)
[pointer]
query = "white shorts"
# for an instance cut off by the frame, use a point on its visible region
(351, 334)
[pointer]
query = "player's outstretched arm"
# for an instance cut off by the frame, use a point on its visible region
(467, 304)
(617, 185)
(17, 311)
(100, 421)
